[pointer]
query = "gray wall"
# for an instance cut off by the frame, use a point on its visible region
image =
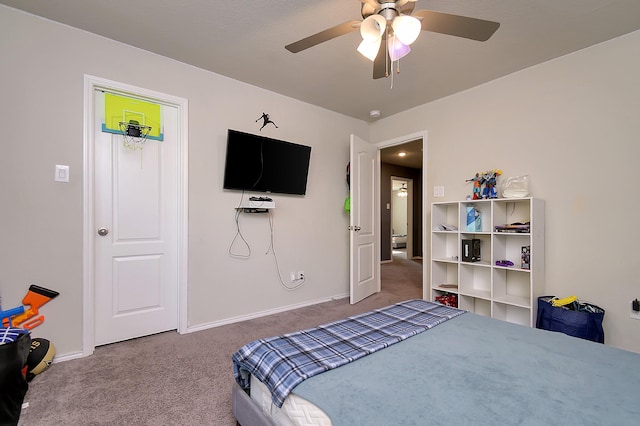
(572, 125)
(41, 222)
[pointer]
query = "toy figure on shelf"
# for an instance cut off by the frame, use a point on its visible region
(490, 178)
(477, 186)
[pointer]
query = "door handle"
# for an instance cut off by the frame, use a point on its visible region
(103, 231)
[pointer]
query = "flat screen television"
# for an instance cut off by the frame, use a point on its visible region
(261, 164)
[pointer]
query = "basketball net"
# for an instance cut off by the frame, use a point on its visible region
(134, 134)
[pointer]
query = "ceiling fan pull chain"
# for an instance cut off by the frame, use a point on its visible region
(392, 76)
(386, 54)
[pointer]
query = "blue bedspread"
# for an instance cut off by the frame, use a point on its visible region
(285, 361)
(479, 371)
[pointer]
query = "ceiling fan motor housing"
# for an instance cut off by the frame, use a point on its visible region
(386, 9)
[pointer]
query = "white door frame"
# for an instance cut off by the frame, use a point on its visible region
(399, 141)
(91, 84)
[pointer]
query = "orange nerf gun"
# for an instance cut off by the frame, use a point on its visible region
(35, 298)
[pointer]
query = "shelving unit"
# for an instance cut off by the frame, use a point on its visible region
(251, 206)
(508, 293)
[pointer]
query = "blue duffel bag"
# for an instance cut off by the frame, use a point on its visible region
(583, 320)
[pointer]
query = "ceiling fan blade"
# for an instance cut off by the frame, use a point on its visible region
(382, 63)
(401, 3)
(369, 7)
(456, 25)
(322, 36)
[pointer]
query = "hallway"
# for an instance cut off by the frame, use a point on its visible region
(402, 276)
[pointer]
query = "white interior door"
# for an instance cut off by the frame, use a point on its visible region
(363, 222)
(136, 203)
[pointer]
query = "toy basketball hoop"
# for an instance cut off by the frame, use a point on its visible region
(135, 119)
(134, 134)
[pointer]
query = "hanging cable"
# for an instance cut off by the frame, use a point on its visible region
(261, 164)
(299, 281)
(239, 234)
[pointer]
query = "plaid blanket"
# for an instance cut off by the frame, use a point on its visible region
(283, 362)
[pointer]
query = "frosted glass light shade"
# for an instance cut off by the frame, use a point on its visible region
(373, 27)
(406, 28)
(397, 49)
(369, 48)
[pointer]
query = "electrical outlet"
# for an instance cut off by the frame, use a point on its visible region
(301, 275)
(634, 314)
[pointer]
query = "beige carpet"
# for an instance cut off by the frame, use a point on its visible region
(172, 379)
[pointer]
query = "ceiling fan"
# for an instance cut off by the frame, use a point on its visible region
(395, 23)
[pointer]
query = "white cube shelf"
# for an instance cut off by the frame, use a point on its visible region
(506, 292)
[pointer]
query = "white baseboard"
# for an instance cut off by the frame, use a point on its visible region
(206, 326)
(68, 357)
(265, 313)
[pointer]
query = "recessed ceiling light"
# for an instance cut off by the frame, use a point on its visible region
(374, 113)
(402, 154)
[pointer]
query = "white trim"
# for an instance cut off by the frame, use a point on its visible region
(233, 320)
(68, 357)
(91, 84)
(398, 141)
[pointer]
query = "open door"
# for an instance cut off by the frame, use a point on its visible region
(363, 224)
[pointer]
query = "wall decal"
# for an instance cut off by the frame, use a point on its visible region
(266, 120)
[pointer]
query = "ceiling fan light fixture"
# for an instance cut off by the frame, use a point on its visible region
(383, 18)
(397, 49)
(406, 28)
(373, 27)
(369, 48)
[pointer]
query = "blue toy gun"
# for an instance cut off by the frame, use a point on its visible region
(9, 313)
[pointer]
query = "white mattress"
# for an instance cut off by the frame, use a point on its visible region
(295, 411)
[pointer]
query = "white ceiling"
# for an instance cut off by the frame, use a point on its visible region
(245, 40)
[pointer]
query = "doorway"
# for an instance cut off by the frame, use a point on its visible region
(401, 216)
(401, 162)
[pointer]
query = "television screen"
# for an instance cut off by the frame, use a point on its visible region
(261, 164)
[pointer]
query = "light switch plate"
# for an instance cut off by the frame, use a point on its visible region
(62, 173)
(438, 191)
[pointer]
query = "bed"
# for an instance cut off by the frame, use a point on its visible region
(465, 369)
(399, 241)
